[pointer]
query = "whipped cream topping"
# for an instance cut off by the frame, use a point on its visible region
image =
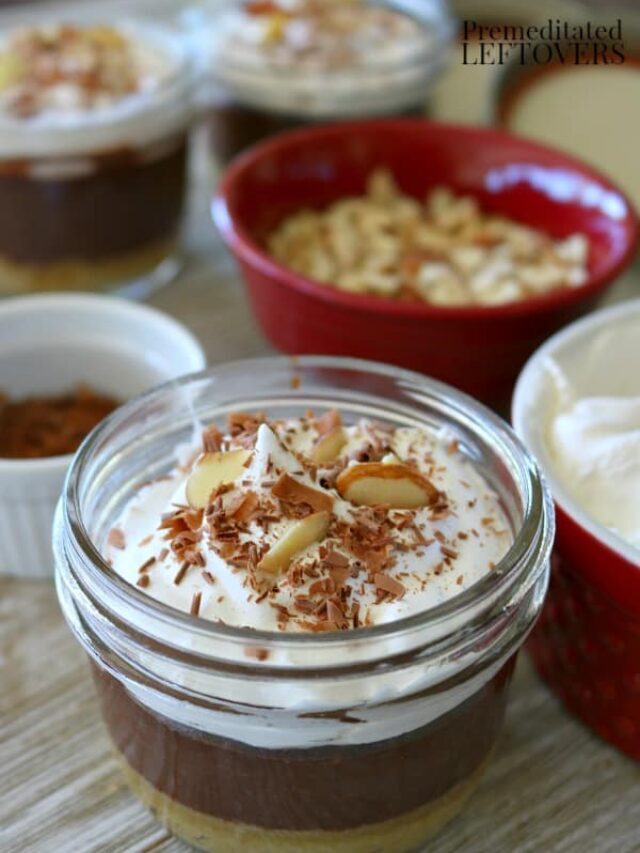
(68, 88)
(322, 36)
(594, 445)
(63, 68)
(332, 48)
(367, 563)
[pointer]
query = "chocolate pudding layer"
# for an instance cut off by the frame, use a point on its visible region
(122, 203)
(333, 788)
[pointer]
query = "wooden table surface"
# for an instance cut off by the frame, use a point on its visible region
(551, 787)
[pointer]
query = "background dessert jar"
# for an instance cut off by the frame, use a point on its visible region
(287, 718)
(93, 143)
(283, 64)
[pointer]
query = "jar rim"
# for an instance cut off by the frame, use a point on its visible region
(430, 15)
(298, 92)
(530, 548)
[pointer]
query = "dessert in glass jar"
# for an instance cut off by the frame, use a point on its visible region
(93, 137)
(285, 63)
(303, 598)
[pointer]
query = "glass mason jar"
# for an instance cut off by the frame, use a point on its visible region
(351, 741)
(103, 190)
(255, 93)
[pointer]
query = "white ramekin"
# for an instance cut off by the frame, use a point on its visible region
(586, 644)
(48, 344)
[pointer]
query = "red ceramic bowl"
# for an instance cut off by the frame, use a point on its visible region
(586, 644)
(478, 349)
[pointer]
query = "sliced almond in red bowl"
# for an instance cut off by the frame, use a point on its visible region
(394, 484)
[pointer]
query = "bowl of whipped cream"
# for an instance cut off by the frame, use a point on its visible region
(577, 408)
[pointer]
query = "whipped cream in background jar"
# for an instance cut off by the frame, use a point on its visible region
(94, 122)
(360, 739)
(273, 66)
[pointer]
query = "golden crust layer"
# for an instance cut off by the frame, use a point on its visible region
(16, 278)
(205, 832)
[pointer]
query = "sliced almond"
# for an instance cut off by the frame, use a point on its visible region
(287, 488)
(299, 536)
(396, 485)
(211, 471)
(328, 446)
(11, 70)
(106, 36)
(325, 423)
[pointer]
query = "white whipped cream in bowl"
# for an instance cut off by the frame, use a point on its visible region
(577, 407)
(202, 640)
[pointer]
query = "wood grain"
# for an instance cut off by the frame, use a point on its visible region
(552, 785)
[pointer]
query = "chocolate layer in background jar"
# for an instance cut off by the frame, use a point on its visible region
(325, 788)
(126, 201)
(236, 127)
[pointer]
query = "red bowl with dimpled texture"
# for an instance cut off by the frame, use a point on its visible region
(478, 349)
(586, 644)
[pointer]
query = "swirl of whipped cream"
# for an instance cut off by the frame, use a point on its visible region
(371, 563)
(594, 446)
